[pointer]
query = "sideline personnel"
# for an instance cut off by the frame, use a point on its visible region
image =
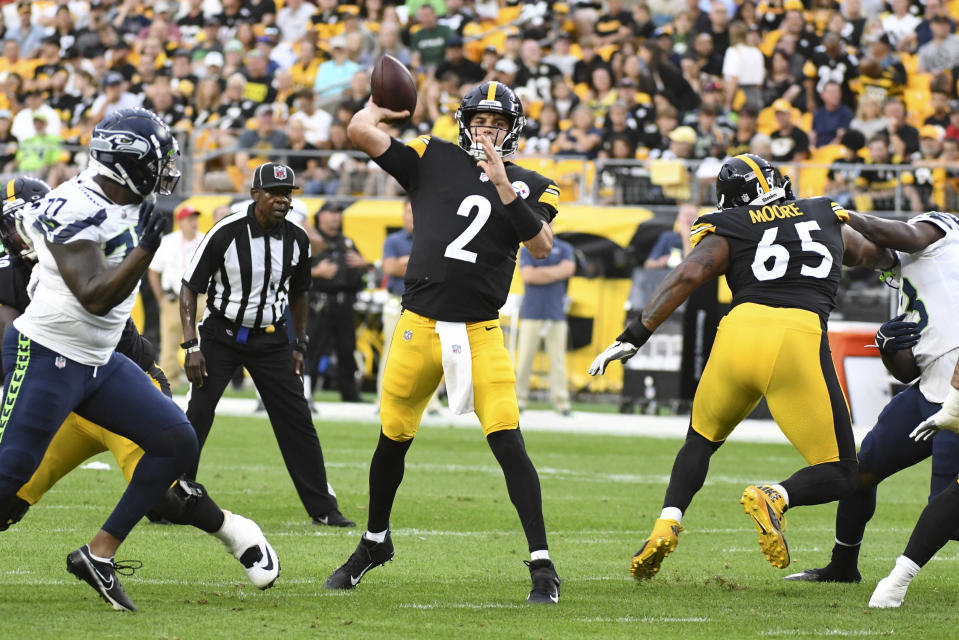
(250, 265)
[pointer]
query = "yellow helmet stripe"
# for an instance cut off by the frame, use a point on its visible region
(759, 174)
(491, 92)
(10, 188)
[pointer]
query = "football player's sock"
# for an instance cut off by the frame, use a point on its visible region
(98, 558)
(822, 483)
(206, 515)
(904, 571)
(541, 554)
(852, 515)
(689, 470)
(936, 525)
(522, 484)
(386, 474)
(845, 556)
(671, 513)
(782, 491)
(379, 536)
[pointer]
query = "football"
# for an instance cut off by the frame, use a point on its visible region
(392, 85)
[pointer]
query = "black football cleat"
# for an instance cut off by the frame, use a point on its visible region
(368, 555)
(825, 574)
(102, 576)
(333, 519)
(545, 582)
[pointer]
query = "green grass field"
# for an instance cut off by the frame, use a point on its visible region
(458, 570)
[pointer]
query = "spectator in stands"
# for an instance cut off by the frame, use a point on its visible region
(869, 118)
(23, 123)
(39, 154)
(879, 185)
(8, 142)
(316, 121)
(235, 109)
(190, 22)
(534, 74)
(304, 68)
(559, 55)
(744, 68)
(542, 317)
(466, 71)
(939, 100)
(952, 129)
(941, 53)
(564, 99)
(505, 71)
(583, 69)
(601, 93)
(708, 58)
(265, 137)
(28, 33)
(672, 245)
(428, 37)
(681, 142)
(788, 143)
(902, 136)
(389, 42)
(662, 78)
(234, 14)
(618, 124)
(901, 26)
(308, 168)
(614, 26)
(924, 30)
(746, 128)
(840, 183)
(780, 83)
(293, 19)
(333, 75)
(716, 24)
(542, 140)
(582, 138)
(830, 61)
(881, 72)
(832, 119)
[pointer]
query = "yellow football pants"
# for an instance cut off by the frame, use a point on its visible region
(414, 367)
(782, 354)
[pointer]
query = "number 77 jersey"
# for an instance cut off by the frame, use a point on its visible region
(464, 245)
(786, 254)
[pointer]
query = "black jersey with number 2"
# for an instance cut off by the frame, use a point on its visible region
(464, 246)
(787, 254)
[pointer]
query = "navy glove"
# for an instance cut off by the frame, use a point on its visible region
(154, 224)
(897, 335)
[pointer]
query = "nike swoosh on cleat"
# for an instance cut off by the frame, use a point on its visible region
(355, 581)
(759, 524)
(269, 561)
(106, 584)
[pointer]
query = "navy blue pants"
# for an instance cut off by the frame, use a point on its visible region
(42, 388)
(888, 449)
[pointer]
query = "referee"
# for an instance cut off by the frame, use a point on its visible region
(250, 264)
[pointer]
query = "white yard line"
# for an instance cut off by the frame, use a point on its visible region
(613, 424)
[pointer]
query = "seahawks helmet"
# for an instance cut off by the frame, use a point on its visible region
(498, 98)
(17, 194)
(134, 148)
(749, 179)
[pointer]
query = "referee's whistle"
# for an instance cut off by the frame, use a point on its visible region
(270, 328)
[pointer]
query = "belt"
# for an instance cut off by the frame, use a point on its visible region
(242, 333)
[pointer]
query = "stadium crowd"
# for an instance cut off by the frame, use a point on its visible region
(860, 81)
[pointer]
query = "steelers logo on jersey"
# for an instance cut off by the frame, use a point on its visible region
(521, 189)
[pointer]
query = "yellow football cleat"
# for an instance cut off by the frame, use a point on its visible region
(660, 543)
(766, 506)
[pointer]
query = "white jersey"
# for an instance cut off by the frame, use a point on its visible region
(76, 210)
(929, 296)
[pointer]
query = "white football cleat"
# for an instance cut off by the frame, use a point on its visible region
(889, 594)
(243, 538)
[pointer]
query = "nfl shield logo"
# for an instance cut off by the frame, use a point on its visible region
(279, 172)
(457, 348)
(407, 335)
(60, 362)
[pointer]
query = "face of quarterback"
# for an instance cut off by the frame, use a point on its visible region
(493, 125)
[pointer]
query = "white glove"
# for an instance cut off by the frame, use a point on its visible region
(617, 351)
(946, 418)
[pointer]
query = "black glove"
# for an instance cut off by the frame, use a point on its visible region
(897, 335)
(157, 374)
(154, 224)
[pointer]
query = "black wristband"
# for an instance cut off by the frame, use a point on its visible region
(526, 223)
(190, 343)
(301, 347)
(635, 334)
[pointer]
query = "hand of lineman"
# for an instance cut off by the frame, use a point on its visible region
(195, 366)
(493, 165)
(617, 351)
(946, 418)
(897, 335)
(154, 225)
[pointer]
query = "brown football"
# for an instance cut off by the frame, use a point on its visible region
(392, 85)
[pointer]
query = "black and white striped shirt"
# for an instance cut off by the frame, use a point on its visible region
(249, 274)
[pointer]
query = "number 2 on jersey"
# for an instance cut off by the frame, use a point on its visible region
(483, 207)
(767, 249)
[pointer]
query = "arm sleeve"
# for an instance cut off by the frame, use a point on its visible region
(207, 258)
(545, 204)
(300, 281)
(136, 347)
(402, 160)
